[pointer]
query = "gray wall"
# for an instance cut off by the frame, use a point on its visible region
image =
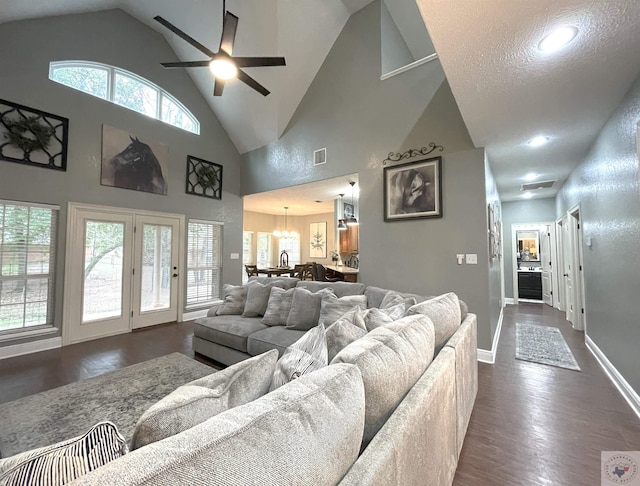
(115, 38)
(360, 120)
(395, 52)
(495, 267)
(607, 189)
(520, 212)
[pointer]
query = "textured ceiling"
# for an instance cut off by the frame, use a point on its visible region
(509, 91)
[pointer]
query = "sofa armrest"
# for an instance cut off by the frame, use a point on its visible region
(464, 342)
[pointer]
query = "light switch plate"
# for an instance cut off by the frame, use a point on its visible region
(472, 258)
(235, 256)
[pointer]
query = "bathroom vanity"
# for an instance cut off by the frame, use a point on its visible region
(530, 284)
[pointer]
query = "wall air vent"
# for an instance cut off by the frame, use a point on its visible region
(537, 185)
(320, 156)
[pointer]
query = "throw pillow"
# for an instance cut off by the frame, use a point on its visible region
(278, 307)
(390, 299)
(307, 354)
(305, 308)
(344, 331)
(258, 298)
(234, 299)
(444, 311)
(391, 309)
(63, 462)
(332, 307)
(199, 400)
(391, 360)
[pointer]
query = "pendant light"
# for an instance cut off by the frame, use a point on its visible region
(285, 233)
(352, 221)
(341, 224)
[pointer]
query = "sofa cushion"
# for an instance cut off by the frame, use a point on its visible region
(252, 444)
(307, 354)
(391, 309)
(344, 331)
(201, 399)
(231, 331)
(305, 308)
(278, 307)
(444, 312)
(276, 337)
(287, 282)
(332, 307)
(391, 359)
(234, 297)
(258, 298)
(65, 461)
(339, 288)
(375, 295)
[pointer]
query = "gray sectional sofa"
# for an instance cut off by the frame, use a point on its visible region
(331, 426)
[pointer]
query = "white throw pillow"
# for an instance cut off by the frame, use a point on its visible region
(332, 307)
(344, 331)
(445, 313)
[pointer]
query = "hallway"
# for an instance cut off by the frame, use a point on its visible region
(540, 425)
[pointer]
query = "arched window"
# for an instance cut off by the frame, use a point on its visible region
(124, 88)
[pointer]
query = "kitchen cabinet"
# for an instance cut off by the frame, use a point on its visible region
(349, 240)
(529, 285)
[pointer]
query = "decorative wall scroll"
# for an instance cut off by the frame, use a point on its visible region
(33, 137)
(204, 178)
(411, 153)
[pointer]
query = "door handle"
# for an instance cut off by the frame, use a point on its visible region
(175, 274)
(566, 275)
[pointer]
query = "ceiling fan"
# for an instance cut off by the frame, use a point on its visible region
(223, 64)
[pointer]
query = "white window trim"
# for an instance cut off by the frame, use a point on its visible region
(111, 73)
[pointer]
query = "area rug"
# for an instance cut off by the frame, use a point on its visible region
(545, 345)
(119, 396)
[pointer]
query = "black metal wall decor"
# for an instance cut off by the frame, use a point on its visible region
(409, 154)
(33, 137)
(204, 178)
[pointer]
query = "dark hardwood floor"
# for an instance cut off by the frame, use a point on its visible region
(532, 424)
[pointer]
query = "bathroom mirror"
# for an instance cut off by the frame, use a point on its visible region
(528, 246)
(405, 40)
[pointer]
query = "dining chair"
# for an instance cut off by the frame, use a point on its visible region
(252, 270)
(320, 274)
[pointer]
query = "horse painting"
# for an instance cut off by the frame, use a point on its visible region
(136, 167)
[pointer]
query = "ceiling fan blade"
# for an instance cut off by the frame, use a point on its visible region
(185, 64)
(249, 81)
(258, 61)
(184, 36)
(218, 87)
(228, 33)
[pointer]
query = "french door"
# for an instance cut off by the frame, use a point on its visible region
(122, 271)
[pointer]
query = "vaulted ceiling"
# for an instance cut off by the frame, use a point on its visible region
(507, 90)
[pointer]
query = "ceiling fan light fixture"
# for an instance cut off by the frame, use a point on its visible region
(557, 39)
(223, 69)
(538, 141)
(531, 176)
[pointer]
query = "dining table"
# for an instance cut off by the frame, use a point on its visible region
(278, 271)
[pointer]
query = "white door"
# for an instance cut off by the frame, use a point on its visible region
(567, 246)
(155, 271)
(545, 265)
(576, 271)
(121, 272)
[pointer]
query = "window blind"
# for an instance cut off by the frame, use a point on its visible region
(204, 263)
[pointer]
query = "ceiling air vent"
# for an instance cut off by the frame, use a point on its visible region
(320, 156)
(537, 185)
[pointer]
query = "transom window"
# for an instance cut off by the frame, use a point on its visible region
(124, 88)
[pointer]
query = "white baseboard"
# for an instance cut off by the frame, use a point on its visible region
(32, 347)
(627, 392)
(189, 316)
(489, 357)
(509, 301)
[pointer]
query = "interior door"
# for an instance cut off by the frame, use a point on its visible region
(155, 271)
(545, 265)
(567, 244)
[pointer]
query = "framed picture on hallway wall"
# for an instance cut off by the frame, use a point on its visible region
(318, 240)
(413, 190)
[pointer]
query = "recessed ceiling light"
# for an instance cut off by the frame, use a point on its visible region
(531, 176)
(537, 141)
(558, 38)
(527, 195)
